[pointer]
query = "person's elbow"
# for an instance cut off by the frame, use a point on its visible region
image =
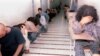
(77, 31)
(34, 30)
(21, 45)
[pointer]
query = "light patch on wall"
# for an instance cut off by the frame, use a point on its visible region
(15, 11)
(36, 5)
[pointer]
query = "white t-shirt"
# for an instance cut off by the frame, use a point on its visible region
(43, 20)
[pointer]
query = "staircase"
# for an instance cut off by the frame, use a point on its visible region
(56, 42)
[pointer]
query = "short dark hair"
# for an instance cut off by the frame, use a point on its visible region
(31, 19)
(37, 19)
(87, 10)
(19, 26)
(71, 10)
(40, 9)
(66, 6)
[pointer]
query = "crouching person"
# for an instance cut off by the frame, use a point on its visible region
(24, 31)
(44, 19)
(32, 29)
(0, 51)
(43, 24)
(84, 28)
(11, 41)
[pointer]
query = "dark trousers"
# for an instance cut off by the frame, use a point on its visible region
(80, 44)
(32, 36)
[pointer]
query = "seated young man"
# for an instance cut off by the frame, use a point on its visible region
(31, 28)
(25, 35)
(11, 41)
(43, 25)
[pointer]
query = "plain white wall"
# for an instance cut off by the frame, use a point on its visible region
(48, 3)
(36, 5)
(44, 4)
(15, 11)
(95, 3)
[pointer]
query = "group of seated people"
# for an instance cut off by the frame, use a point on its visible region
(16, 40)
(52, 13)
(66, 10)
(30, 31)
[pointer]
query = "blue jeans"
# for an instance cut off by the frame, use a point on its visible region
(32, 36)
(43, 29)
(80, 44)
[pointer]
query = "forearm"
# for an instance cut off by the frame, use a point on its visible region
(78, 28)
(0, 53)
(20, 47)
(34, 29)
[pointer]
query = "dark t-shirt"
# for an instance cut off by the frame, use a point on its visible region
(10, 42)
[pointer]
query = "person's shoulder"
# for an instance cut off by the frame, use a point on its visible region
(15, 29)
(29, 22)
(43, 12)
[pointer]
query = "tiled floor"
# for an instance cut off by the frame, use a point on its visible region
(56, 42)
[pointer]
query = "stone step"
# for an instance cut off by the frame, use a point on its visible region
(51, 51)
(44, 46)
(53, 42)
(54, 39)
(38, 54)
(51, 31)
(54, 36)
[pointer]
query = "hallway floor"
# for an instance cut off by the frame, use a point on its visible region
(56, 42)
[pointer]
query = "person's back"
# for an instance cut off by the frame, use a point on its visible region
(31, 26)
(45, 15)
(37, 19)
(32, 29)
(10, 42)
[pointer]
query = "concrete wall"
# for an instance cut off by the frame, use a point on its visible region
(54, 3)
(36, 5)
(88, 2)
(15, 11)
(95, 3)
(44, 4)
(67, 2)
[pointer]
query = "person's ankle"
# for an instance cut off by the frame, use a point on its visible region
(27, 51)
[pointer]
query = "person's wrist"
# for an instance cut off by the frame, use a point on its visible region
(15, 55)
(81, 23)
